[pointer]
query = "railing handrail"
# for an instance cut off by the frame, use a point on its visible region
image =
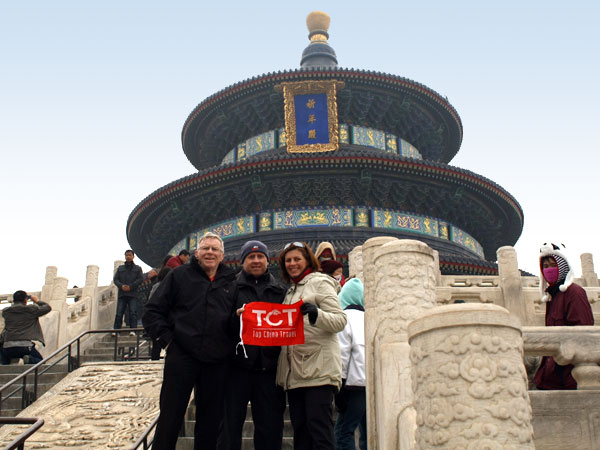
(142, 439)
(57, 351)
(36, 424)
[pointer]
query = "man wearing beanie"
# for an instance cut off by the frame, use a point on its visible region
(566, 305)
(252, 379)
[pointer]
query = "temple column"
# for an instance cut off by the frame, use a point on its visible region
(469, 382)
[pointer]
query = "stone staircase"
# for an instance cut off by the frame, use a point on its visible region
(104, 349)
(12, 406)
(187, 442)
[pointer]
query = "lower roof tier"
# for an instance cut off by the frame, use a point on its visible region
(352, 177)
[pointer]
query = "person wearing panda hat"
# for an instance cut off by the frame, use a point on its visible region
(566, 305)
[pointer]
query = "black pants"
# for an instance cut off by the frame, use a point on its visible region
(268, 405)
(18, 352)
(182, 374)
(311, 412)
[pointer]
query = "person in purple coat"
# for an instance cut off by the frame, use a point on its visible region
(566, 305)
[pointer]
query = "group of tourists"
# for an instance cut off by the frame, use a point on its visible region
(195, 315)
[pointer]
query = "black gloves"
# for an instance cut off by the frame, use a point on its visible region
(311, 310)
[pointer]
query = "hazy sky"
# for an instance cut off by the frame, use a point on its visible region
(93, 96)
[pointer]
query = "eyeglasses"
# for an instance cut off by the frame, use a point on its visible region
(208, 248)
(295, 244)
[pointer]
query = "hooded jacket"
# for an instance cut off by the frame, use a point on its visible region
(325, 245)
(317, 362)
(566, 305)
(352, 337)
(262, 289)
(193, 312)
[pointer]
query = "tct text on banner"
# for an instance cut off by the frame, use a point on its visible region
(266, 323)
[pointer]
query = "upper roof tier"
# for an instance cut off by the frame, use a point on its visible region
(378, 100)
(397, 105)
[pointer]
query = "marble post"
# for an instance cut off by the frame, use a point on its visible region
(355, 263)
(51, 272)
(510, 283)
(587, 268)
(404, 286)
(469, 381)
(89, 291)
(58, 302)
(438, 271)
(368, 250)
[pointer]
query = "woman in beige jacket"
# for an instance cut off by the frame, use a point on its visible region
(311, 373)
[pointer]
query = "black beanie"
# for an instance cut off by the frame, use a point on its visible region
(253, 246)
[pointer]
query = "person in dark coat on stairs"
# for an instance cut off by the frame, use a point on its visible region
(22, 327)
(252, 378)
(128, 278)
(190, 315)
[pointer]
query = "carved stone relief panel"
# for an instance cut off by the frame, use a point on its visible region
(95, 407)
(469, 382)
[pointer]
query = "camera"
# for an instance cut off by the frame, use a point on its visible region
(29, 297)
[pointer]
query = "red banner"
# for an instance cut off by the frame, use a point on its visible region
(266, 323)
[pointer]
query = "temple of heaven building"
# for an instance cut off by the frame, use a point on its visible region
(323, 153)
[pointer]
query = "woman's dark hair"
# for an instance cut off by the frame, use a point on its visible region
(309, 256)
(162, 273)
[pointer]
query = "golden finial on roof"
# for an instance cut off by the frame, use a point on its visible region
(318, 24)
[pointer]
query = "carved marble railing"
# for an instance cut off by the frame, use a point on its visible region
(579, 346)
(401, 279)
(74, 310)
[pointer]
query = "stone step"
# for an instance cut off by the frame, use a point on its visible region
(187, 443)
(111, 351)
(191, 412)
(247, 431)
(20, 368)
(47, 377)
(111, 345)
(108, 358)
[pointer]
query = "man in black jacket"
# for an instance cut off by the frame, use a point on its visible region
(127, 278)
(252, 379)
(190, 315)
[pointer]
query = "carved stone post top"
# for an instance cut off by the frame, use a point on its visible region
(403, 245)
(51, 272)
(357, 249)
(376, 242)
(506, 250)
(59, 290)
(568, 345)
(587, 262)
(462, 314)
(91, 275)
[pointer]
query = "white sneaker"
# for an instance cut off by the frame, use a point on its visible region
(131, 333)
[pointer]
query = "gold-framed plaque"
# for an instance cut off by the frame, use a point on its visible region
(311, 122)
